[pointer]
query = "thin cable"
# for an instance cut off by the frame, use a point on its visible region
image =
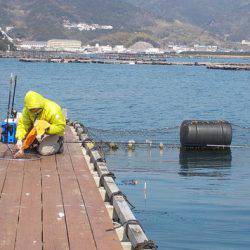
(155, 144)
(132, 131)
(241, 127)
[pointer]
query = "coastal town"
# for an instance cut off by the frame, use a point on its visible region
(140, 46)
(140, 53)
(77, 46)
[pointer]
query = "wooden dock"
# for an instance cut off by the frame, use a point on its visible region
(53, 203)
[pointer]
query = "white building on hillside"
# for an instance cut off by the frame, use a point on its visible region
(154, 51)
(207, 48)
(64, 45)
(105, 48)
(180, 48)
(245, 42)
(31, 45)
(119, 49)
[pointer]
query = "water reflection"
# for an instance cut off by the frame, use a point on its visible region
(208, 163)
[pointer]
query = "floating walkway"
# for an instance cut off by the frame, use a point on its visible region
(60, 202)
(209, 65)
(224, 66)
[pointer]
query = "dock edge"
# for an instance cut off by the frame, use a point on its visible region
(127, 227)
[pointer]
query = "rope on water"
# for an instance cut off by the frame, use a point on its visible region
(241, 127)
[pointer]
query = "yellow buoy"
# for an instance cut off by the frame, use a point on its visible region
(161, 146)
(131, 144)
(113, 146)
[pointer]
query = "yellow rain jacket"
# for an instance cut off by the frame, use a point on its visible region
(51, 113)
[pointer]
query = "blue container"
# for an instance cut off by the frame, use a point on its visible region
(9, 137)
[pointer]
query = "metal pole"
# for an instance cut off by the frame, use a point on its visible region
(9, 101)
(13, 96)
(8, 111)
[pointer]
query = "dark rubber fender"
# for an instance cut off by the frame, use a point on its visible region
(204, 133)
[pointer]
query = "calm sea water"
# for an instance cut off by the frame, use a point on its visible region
(193, 200)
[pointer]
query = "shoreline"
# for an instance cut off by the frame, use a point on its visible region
(64, 54)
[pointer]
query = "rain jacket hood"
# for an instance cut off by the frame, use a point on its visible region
(34, 100)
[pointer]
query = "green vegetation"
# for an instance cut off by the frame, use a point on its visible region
(156, 21)
(228, 19)
(176, 31)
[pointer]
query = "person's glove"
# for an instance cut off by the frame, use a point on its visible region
(19, 144)
(19, 154)
(39, 138)
(41, 126)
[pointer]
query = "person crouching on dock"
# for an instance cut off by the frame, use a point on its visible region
(43, 122)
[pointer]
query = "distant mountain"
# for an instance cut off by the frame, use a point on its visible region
(42, 20)
(228, 19)
(155, 21)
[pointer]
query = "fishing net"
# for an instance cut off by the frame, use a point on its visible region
(169, 136)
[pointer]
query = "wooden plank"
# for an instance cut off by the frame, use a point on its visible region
(96, 210)
(10, 204)
(54, 227)
(3, 147)
(79, 231)
(3, 172)
(29, 229)
(42, 205)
